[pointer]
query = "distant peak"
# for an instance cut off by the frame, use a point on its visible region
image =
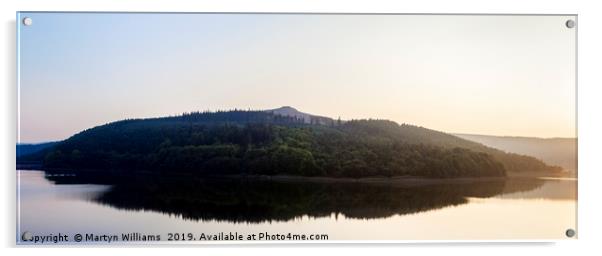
(287, 108)
(307, 118)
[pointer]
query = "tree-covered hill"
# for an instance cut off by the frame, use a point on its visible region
(419, 135)
(266, 143)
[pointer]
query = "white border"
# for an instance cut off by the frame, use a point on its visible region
(159, 243)
(589, 93)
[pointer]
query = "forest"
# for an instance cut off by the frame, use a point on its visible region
(264, 143)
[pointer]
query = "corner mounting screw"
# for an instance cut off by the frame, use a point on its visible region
(27, 21)
(570, 232)
(570, 23)
(26, 236)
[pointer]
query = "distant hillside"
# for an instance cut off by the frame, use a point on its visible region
(268, 143)
(553, 151)
(26, 149)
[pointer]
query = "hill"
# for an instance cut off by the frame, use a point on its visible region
(553, 151)
(267, 143)
(26, 149)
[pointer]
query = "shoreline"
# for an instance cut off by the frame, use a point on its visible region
(396, 180)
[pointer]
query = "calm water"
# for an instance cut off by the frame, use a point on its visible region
(503, 209)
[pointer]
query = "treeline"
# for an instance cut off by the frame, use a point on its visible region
(261, 148)
(256, 142)
(420, 135)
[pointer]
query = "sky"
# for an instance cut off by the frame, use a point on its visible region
(491, 75)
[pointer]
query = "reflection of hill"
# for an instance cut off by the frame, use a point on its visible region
(244, 200)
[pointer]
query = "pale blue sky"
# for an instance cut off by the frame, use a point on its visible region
(498, 75)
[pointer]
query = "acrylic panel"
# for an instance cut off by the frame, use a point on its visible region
(180, 128)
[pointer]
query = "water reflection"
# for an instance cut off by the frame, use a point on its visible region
(257, 201)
